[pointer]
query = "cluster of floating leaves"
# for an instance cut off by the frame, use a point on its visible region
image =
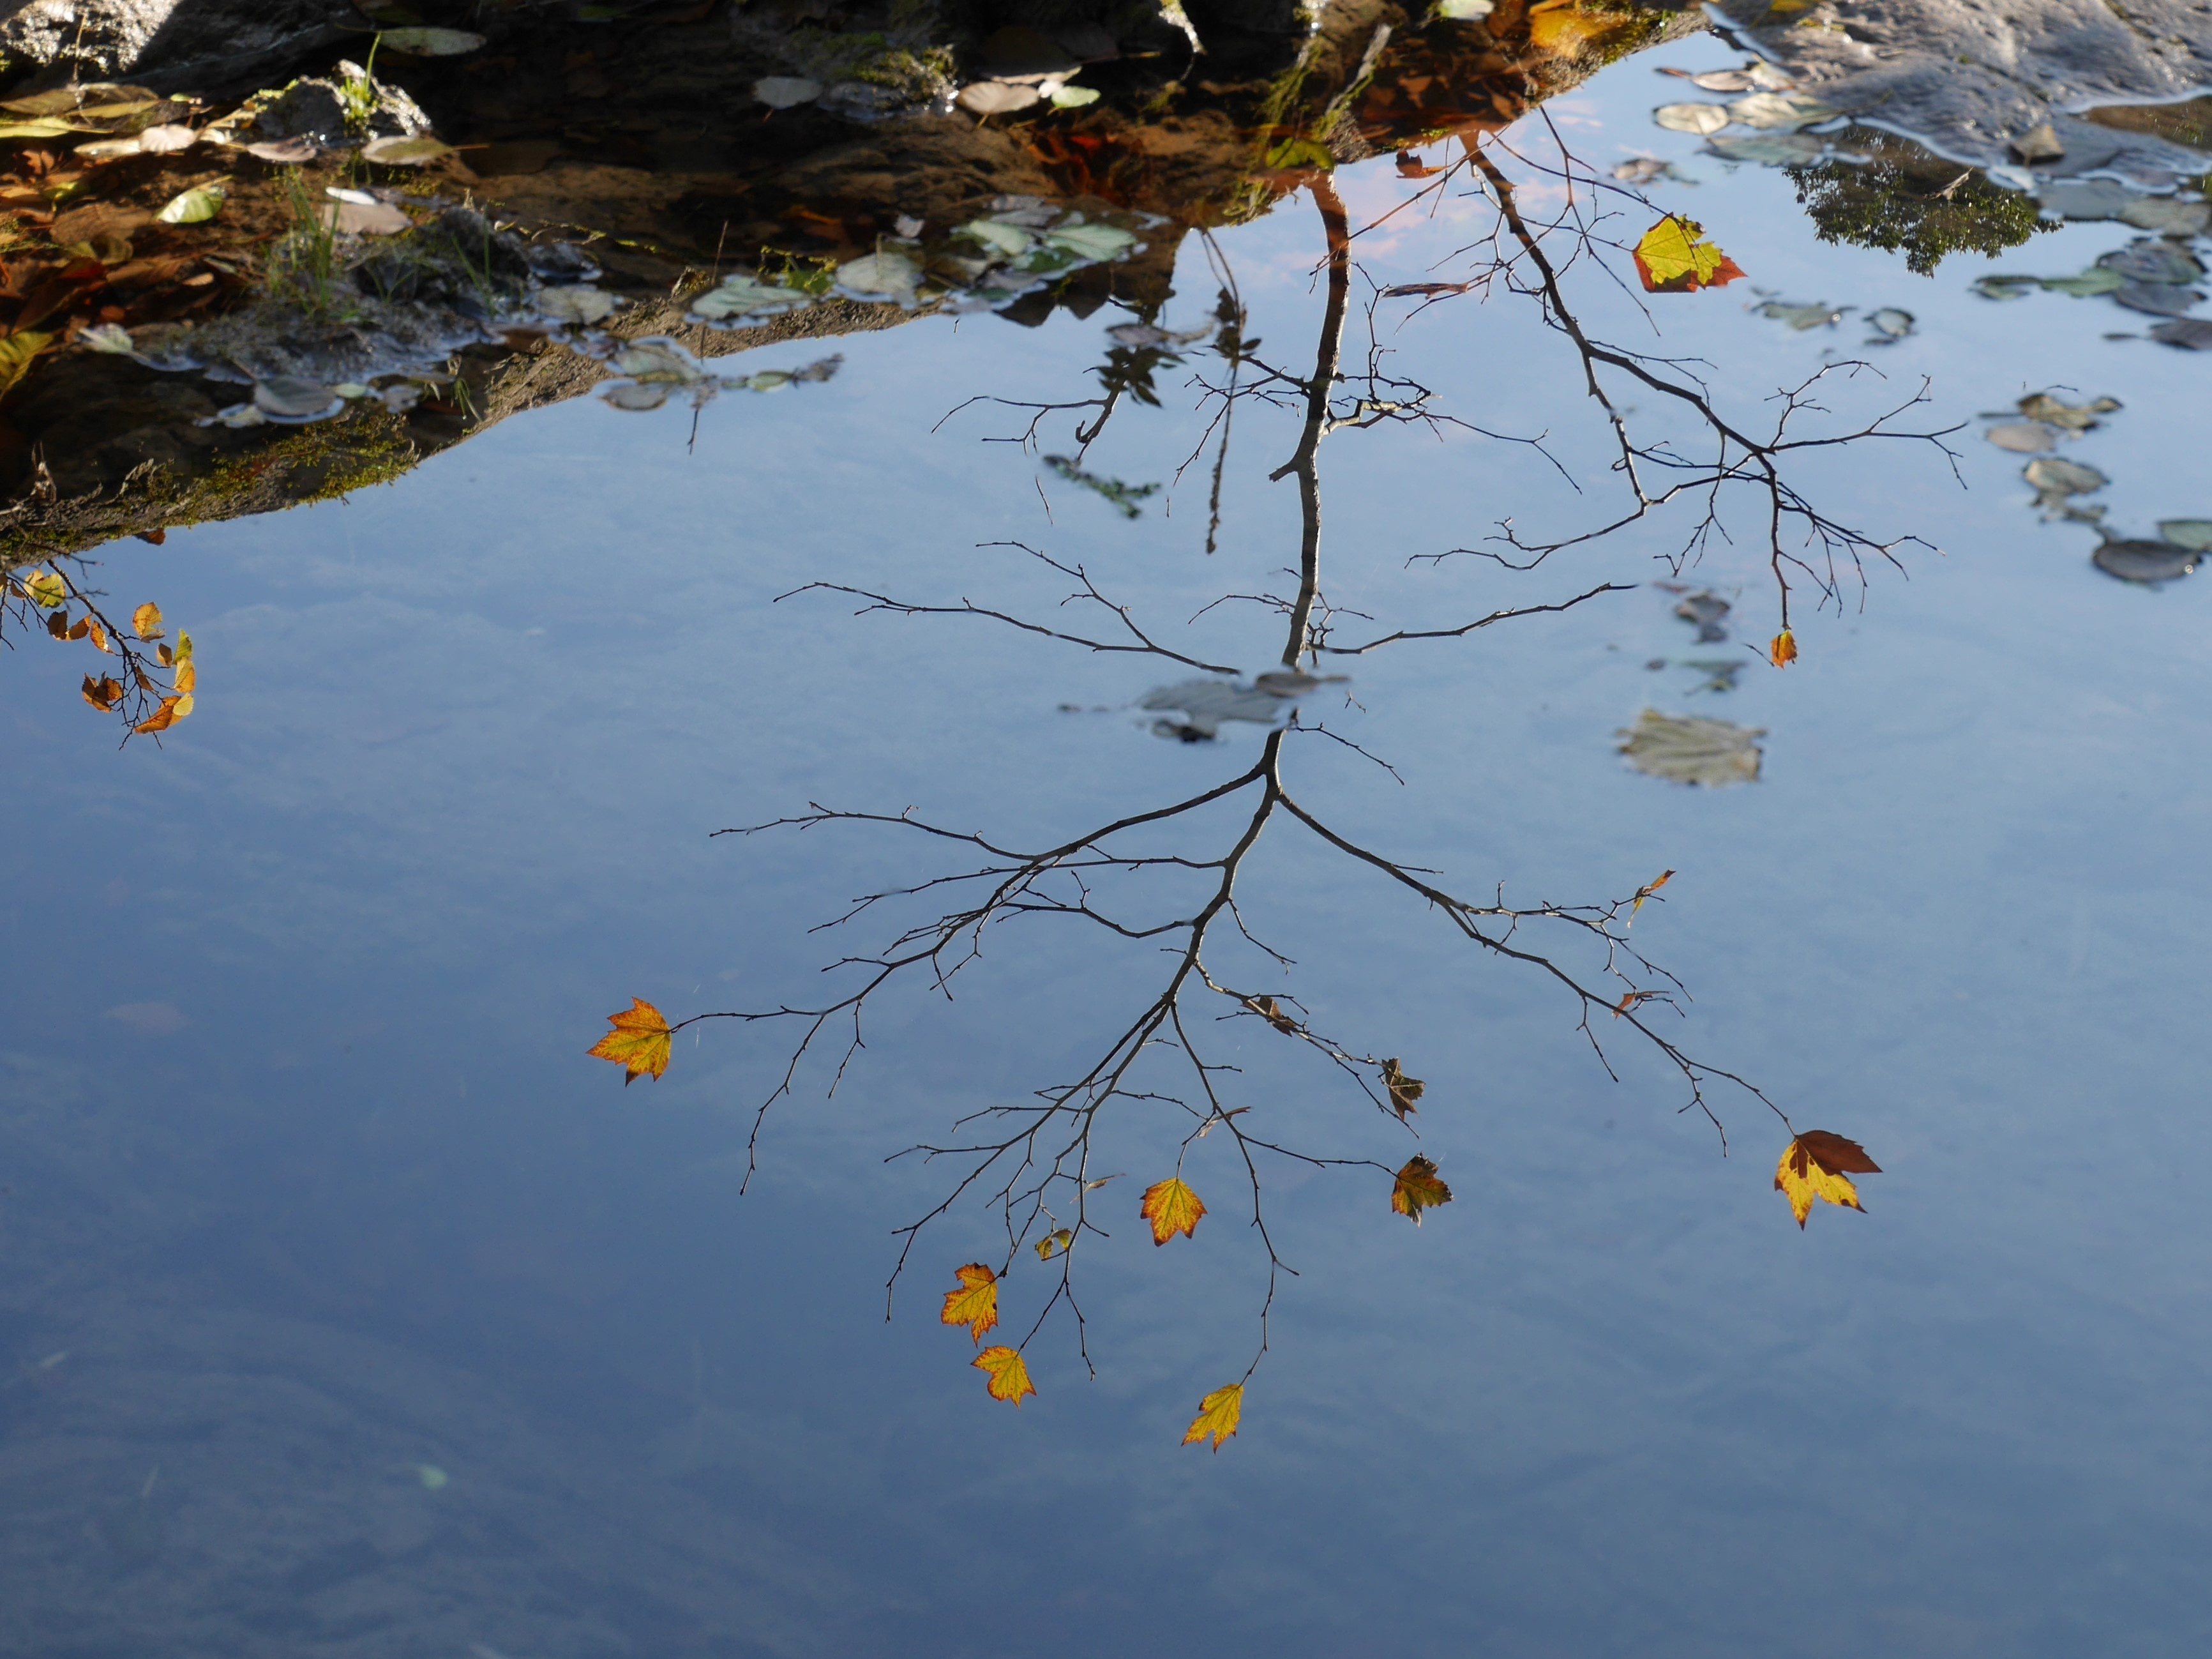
(2045, 421)
(653, 371)
(1023, 244)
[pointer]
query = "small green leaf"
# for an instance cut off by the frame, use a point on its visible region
(195, 206)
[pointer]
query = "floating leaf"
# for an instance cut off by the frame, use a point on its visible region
(579, 304)
(1767, 149)
(2022, 437)
(976, 1303)
(998, 97)
(399, 151)
(1091, 242)
(1815, 1166)
(786, 91)
(1008, 1378)
(2167, 217)
(1890, 325)
(1075, 97)
(1218, 1414)
(2146, 561)
(1417, 1188)
(639, 1041)
(1673, 257)
(430, 42)
(747, 296)
(1785, 110)
(166, 140)
(1802, 317)
(1172, 1208)
(2074, 416)
(103, 693)
(289, 398)
(107, 336)
(2193, 334)
(1700, 119)
(47, 590)
(146, 621)
(1691, 750)
(369, 219)
(286, 152)
(880, 277)
(1009, 240)
(1404, 1090)
(194, 206)
(2194, 534)
(1784, 649)
(1465, 11)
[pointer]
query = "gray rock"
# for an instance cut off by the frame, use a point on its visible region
(317, 109)
(1969, 79)
(200, 45)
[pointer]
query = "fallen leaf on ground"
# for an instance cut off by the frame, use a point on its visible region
(1417, 1188)
(1674, 256)
(976, 1303)
(1172, 1208)
(194, 206)
(1815, 1166)
(16, 353)
(639, 1041)
(1688, 749)
(1008, 1379)
(399, 151)
(1218, 1414)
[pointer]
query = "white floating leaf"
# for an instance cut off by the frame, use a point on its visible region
(2194, 533)
(744, 295)
(880, 277)
(786, 91)
(1689, 750)
(194, 206)
(166, 140)
(1075, 97)
(287, 398)
(1704, 119)
(2022, 437)
(371, 218)
(404, 152)
(997, 97)
(1091, 242)
(1787, 110)
(285, 152)
(1010, 240)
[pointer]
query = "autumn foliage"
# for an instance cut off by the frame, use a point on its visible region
(1817, 1165)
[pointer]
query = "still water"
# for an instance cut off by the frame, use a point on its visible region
(349, 1309)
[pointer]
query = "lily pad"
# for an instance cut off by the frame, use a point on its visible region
(194, 206)
(880, 277)
(1688, 749)
(430, 42)
(2145, 561)
(786, 91)
(1704, 119)
(2194, 533)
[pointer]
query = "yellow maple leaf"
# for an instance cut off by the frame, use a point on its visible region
(1673, 257)
(1172, 1208)
(1417, 1188)
(1818, 1165)
(146, 621)
(1218, 1414)
(976, 1303)
(1008, 1378)
(639, 1041)
(1784, 652)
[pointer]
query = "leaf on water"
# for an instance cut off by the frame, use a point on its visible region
(998, 97)
(1890, 325)
(1417, 1188)
(172, 710)
(1802, 317)
(976, 1303)
(638, 1042)
(2146, 562)
(289, 398)
(1218, 1415)
(1075, 97)
(2194, 534)
(879, 278)
(1008, 1378)
(397, 151)
(166, 140)
(1815, 1166)
(2074, 416)
(2022, 437)
(2153, 261)
(786, 91)
(1054, 1244)
(2193, 334)
(1673, 257)
(146, 621)
(1783, 650)
(285, 152)
(1649, 888)
(1645, 170)
(744, 295)
(2168, 216)
(1713, 753)
(194, 206)
(103, 693)
(44, 126)
(1784, 109)
(430, 42)
(1009, 240)
(1404, 1090)
(1091, 242)
(1767, 149)
(47, 590)
(1172, 1208)
(1704, 119)
(1465, 11)
(579, 304)
(2157, 299)
(2096, 280)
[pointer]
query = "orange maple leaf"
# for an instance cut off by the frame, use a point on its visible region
(1172, 1208)
(976, 1303)
(639, 1041)
(1417, 1188)
(1008, 1379)
(1784, 652)
(1816, 1165)
(1674, 256)
(1218, 1414)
